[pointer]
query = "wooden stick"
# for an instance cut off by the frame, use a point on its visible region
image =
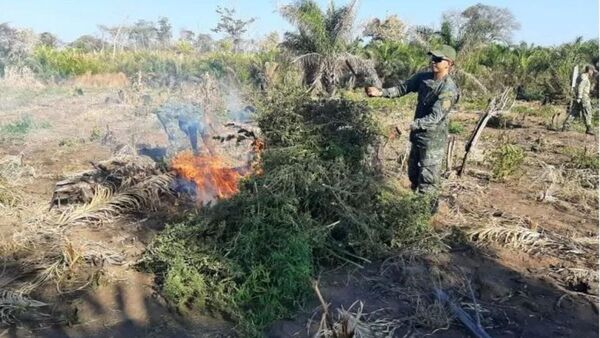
(405, 157)
(450, 153)
(474, 329)
(325, 307)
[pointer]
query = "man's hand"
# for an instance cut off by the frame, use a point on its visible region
(373, 91)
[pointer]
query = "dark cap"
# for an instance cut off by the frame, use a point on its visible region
(445, 52)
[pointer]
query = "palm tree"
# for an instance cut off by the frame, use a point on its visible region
(322, 42)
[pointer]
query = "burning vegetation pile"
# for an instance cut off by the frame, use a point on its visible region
(314, 201)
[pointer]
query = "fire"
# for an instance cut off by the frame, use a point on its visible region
(211, 175)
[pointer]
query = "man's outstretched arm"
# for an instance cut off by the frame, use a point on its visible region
(404, 87)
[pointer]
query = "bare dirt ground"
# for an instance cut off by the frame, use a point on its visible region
(516, 256)
(520, 253)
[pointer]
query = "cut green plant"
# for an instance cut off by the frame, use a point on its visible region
(315, 203)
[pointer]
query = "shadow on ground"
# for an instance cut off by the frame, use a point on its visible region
(510, 304)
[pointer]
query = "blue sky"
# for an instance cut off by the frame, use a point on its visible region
(543, 22)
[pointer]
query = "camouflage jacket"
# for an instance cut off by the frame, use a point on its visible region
(583, 87)
(435, 99)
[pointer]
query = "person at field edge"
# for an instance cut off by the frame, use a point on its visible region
(582, 102)
(437, 94)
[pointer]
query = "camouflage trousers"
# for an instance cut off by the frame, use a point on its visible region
(585, 109)
(425, 168)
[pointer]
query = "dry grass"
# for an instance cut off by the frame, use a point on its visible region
(577, 279)
(47, 253)
(10, 196)
(107, 80)
(355, 322)
(431, 314)
(19, 77)
(43, 253)
(561, 185)
(12, 169)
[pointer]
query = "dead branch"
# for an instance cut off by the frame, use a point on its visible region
(326, 316)
(497, 105)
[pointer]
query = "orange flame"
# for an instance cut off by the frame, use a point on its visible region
(211, 174)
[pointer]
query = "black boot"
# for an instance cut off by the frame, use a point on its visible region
(589, 131)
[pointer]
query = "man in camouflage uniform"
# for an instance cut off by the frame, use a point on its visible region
(437, 94)
(582, 104)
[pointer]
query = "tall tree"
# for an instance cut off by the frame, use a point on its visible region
(15, 45)
(117, 36)
(142, 34)
(468, 32)
(232, 26)
(87, 43)
(48, 39)
(187, 35)
(164, 32)
(478, 25)
(390, 29)
(204, 43)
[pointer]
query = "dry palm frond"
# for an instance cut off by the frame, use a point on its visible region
(116, 174)
(512, 233)
(515, 236)
(49, 272)
(33, 237)
(106, 205)
(63, 269)
(587, 241)
(95, 210)
(12, 303)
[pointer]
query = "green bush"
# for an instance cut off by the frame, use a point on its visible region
(316, 202)
(455, 127)
(21, 126)
(159, 66)
(582, 158)
(506, 160)
(51, 62)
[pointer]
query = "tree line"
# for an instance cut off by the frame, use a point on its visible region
(324, 48)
